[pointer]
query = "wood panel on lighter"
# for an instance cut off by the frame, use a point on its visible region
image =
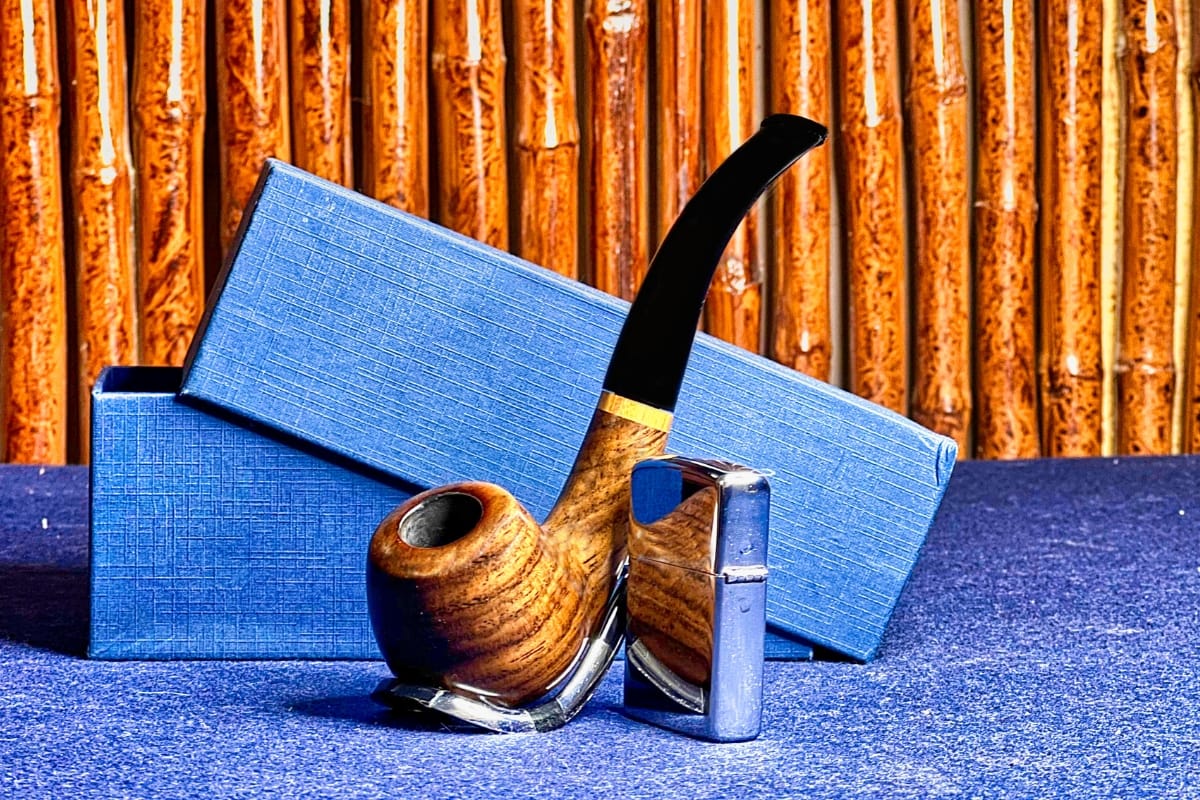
(733, 311)
(467, 64)
(937, 124)
(1070, 65)
(320, 61)
(873, 198)
(168, 134)
(618, 230)
(547, 135)
(33, 374)
(252, 92)
(1145, 361)
(1005, 230)
(396, 106)
(102, 189)
(801, 213)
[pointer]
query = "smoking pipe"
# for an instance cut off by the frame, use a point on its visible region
(473, 604)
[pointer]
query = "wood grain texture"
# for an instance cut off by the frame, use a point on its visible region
(1185, 123)
(33, 297)
(168, 134)
(679, 144)
(801, 215)
(547, 135)
(468, 66)
(320, 61)
(396, 106)
(733, 311)
(1005, 230)
(1071, 69)
(493, 605)
(102, 196)
(873, 198)
(1111, 119)
(1145, 362)
(618, 229)
(1191, 435)
(937, 126)
(252, 92)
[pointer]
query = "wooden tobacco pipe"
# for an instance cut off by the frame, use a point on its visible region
(468, 595)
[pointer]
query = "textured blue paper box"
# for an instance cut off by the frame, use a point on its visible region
(429, 357)
(213, 540)
(209, 540)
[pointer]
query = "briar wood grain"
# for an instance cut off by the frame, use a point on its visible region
(396, 106)
(500, 607)
(468, 64)
(679, 144)
(873, 201)
(1145, 362)
(252, 93)
(33, 293)
(618, 229)
(801, 215)
(320, 87)
(1070, 135)
(733, 311)
(1005, 230)
(547, 135)
(168, 143)
(937, 125)
(102, 196)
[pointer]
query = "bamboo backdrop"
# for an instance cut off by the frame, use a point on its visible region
(1006, 205)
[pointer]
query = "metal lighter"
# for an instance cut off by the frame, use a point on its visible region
(696, 597)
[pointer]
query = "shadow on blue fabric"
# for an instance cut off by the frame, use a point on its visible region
(45, 607)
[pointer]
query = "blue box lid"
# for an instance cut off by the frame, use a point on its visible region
(430, 357)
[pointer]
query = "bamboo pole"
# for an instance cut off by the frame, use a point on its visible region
(102, 184)
(800, 213)
(468, 92)
(618, 231)
(1191, 437)
(168, 133)
(1184, 214)
(252, 93)
(32, 269)
(678, 145)
(547, 146)
(1110, 221)
(874, 218)
(1071, 69)
(1145, 365)
(320, 60)
(396, 110)
(1005, 224)
(937, 124)
(733, 310)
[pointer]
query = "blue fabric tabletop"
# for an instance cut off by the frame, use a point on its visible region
(1046, 645)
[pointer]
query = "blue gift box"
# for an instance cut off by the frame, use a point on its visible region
(213, 539)
(380, 339)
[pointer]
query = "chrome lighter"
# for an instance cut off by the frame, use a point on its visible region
(696, 597)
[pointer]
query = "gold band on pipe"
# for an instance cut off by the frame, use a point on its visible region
(632, 410)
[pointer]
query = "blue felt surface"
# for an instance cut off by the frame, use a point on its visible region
(1046, 646)
(434, 358)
